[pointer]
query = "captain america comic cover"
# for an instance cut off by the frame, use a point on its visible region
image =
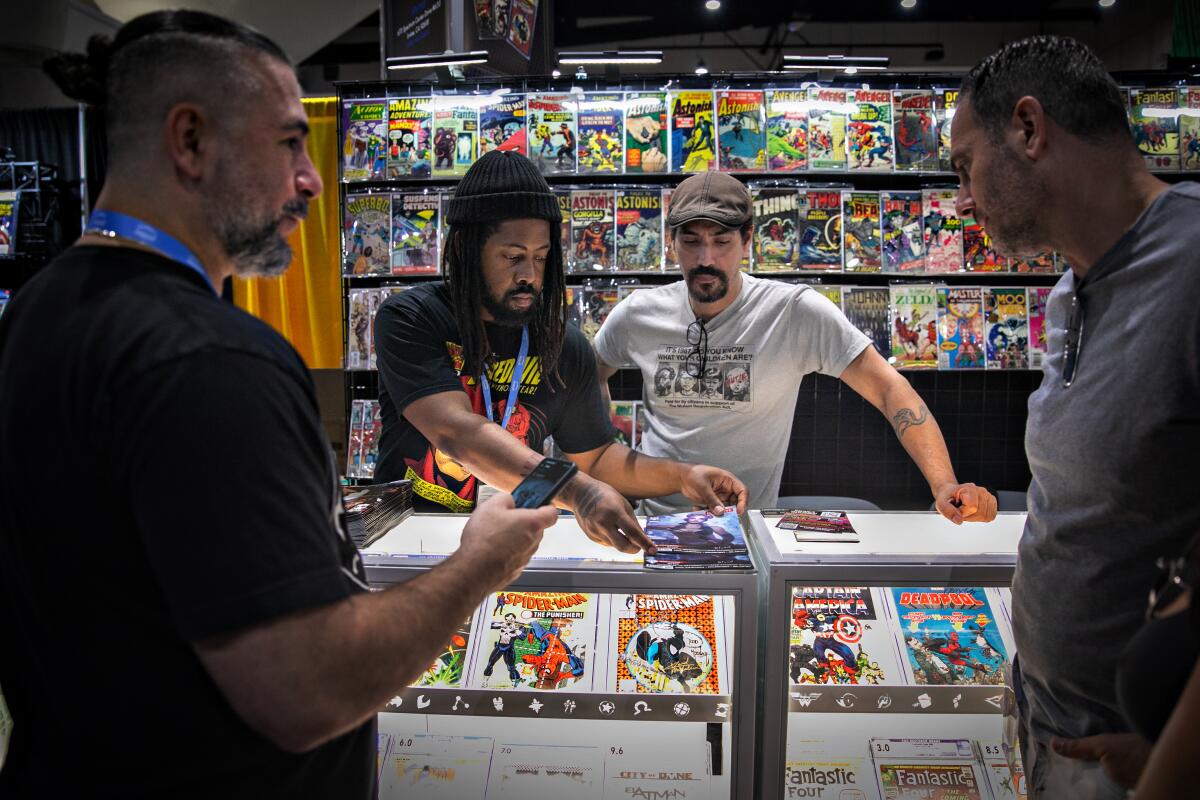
(945, 102)
(979, 253)
(841, 635)
(502, 126)
(870, 146)
(1189, 128)
(827, 129)
(551, 123)
(902, 231)
(916, 130)
(601, 133)
(1038, 297)
(960, 327)
(861, 251)
(867, 309)
(741, 141)
(776, 228)
(364, 140)
(914, 326)
(667, 644)
(592, 222)
(950, 636)
(536, 640)
(1154, 116)
(409, 137)
(943, 231)
(366, 235)
(646, 132)
(639, 230)
(1007, 317)
(820, 223)
(787, 129)
(693, 132)
(415, 233)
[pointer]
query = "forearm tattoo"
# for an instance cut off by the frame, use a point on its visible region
(587, 500)
(904, 419)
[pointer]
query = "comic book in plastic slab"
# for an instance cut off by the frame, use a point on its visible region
(960, 327)
(693, 131)
(419, 765)
(949, 636)
(550, 120)
(830, 290)
(667, 644)
(741, 140)
(502, 125)
(867, 309)
(449, 666)
(821, 774)
(455, 136)
(572, 304)
(366, 235)
(597, 300)
(1039, 296)
(1007, 782)
(776, 228)
(358, 329)
(670, 260)
(521, 24)
(372, 428)
(827, 129)
(979, 253)
(415, 233)
(943, 231)
(358, 409)
(646, 132)
(639, 230)
(902, 231)
(787, 129)
(1007, 321)
(545, 770)
(364, 140)
(564, 227)
(861, 251)
(1189, 128)
(931, 781)
(9, 209)
(820, 217)
(914, 326)
(1154, 116)
(410, 136)
(375, 298)
(536, 640)
(620, 413)
(1042, 263)
(916, 130)
(601, 133)
(869, 143)
(945, 102)
(841, 635)
(592, 221)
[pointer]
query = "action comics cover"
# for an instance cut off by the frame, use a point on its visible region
(645, 132)
(415, 233)
(916, 130)
(945, 101)
(1042, 262)
(592, 219)
(364, 137)
(693, 135)
(366, 234)
(979, 255)
(902, 231)
(776, 219)
(409, 135)
(840, 634)
(827, 129)
(1189, 128)
(502, 126)
(536, 640)
(1038, 297)
(601, 133)
(860, 232)
(639, 230)
(455, 131)
(960, 327)
(449, 668)
(1153, 113)
(820, 217)
(740, 136)
(943, 231)
(787, 129)
(869, 143)
(668, 644)
(867, 309)
(1007, 327)
(830, 290)
(914, 326)
(552, 132)
(950, 636)
(521, 23)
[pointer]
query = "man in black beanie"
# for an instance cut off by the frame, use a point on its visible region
(476, 372)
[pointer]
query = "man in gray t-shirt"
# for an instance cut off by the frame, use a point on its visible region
(722, 355)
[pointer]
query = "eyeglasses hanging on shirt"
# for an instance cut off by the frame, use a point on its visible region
(697, 360)
(1074, 340)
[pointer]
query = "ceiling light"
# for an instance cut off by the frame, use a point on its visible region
(700, 68)
(837, 62)
(1107, 3)
(611, 57)
(851, 70)
(712, 5)
(446, 59)
(908, 3)
(555, 74)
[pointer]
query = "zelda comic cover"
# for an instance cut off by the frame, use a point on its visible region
(8, 223)
(950, 636)
(943, 231)
(916, 130)
(639, 230)
(861, 251)
(592, 221)
(1042, 262)
(550, 121)
(827, 129)
(449, 667)
(1189, 128)
(536, 640)
(419, 765)
(831, 291)
(979, 254)
(415, 233)
(869, 143)
(409, 137)
(596, 301)
(1154, 115)
(455, 131)
(901, 228)
(693, 135)
(358, 331)
(867, 309)
(564, 208)
(1038, 297)
(776, 228)
(914, 326)
(364, 137)
(820, 220)
(945, 101)
(960, 327)
(840, 635)
(787, 129)
(740, 138)
(502, 126)
(668, 644)
(366, 234)
(601, 133)
(646, 132)
(1007, 315)
(521, 22)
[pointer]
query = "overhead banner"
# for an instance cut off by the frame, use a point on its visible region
(415, 27)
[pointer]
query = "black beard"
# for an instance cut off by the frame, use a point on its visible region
(717, 293)
(505, 315)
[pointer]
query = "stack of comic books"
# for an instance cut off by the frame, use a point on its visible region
(372, 511)
(697, 540)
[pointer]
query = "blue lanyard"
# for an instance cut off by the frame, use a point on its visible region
(114, 223)
(514, 385)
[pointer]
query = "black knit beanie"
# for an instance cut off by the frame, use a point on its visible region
(502, 185)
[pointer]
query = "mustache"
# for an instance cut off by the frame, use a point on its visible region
(696, 272)
(520, 290)
(296, 207)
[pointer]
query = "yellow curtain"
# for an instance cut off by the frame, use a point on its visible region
(305, 303)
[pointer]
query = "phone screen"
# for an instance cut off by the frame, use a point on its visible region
(540, 486)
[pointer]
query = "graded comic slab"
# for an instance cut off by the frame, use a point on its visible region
(536, 641)
(820, 217)
(409, 137)
(787, 130)
(901, 229)
(960, 327)
(668, 644)
(914, 326)
(841, 635)
(545, 771)
(776, 228)
(423, 766)
(950, 636)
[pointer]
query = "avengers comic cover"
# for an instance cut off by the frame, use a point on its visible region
(1007, 327)
(645, 132)
(840, 635)
(455, 131)
(902, 231)
(1189, 128)
(592, 219)
(1153, 113)
(950, 636)
(536, 640)
(8, 223)
(364, 137)
(945, 101)
(867, 309)
(366, 235)
(601, 133)
(415, 233)
(960, 327)
(564, 208)
(827, 129)
(639, 230)
(521, 22)
(693, 136)
(916, 130)
(1042, 262)
(425, 766)
(831, 291)
(869, 143)
(502, 126)
(979, 255)
(449, 667)
(914, 326)
(550, 121)
(409, 135)
(943, 231)
(668, 644)
(860, 232)
(776, 223)
(820, 218)
(787, 129)
(1038, 297)
(740, 137)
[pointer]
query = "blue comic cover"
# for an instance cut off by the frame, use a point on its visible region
(916, 130)
(960, 327)
(696, 531)
(639, 229)
(740, 136)
(950, 636)
(502, 126)
(601, 133)
(902, 231)
(1007, 320)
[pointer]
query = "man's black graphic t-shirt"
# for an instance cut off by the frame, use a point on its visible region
(420, 353)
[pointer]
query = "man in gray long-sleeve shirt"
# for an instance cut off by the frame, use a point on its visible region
(1043, 150)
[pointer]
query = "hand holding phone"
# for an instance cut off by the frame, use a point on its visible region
(541, 485)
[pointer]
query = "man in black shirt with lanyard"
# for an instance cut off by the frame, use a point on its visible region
(182, 613)
(491, 345)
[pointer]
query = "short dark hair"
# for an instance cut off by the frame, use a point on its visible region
(1065, 76)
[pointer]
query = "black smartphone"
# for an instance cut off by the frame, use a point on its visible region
(540, 486)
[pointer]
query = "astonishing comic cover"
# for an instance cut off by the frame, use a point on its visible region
(950, 636)
(364, 134)
(914, 326)
(979, 255)
(455, 130)
(449, 667)
(867, 309)
(820, 218)
(645, 132)
(869, 143)
(1189, 128)
(827, 129)
(693, 135)
(1038, 297)
(740, 137)
(425, 766)
(901, 228)
(564, 208)
(1007, 327)
(943, 231)
(415, 233)
(787, 129)
(358, 328)
(536, 640)
(668, 644)
(8, 223)
(552, 132)
(1042, 262)
(1154, 117)
(832, 291)
(639, 229)
(916, 130)
(860, 232)
(596, 303)
(945, 101)
(839, 634)
(776, 234)
(960, 327)
(592, 219)
(409, 134)
(521, 23)
(502, 126)
(601, 133)
(366, 235)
